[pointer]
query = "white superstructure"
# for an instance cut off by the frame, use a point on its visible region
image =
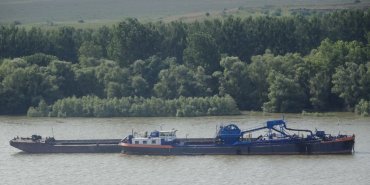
(156, 138)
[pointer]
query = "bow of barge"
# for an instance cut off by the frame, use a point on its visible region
(38, 144)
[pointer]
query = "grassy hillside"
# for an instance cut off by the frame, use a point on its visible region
(105, 11)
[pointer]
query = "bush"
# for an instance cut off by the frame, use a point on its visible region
(363, 108)
(41, 111)
(92, 106)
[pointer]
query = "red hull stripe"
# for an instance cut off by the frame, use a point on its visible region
(144, 146)
(352, 138)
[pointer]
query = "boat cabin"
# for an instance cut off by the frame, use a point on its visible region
(156, 138)
(146, 141)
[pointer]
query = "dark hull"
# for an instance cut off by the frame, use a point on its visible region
(70, 146)
(306, 148)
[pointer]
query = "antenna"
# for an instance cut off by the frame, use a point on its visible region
(52, 131)
(216, 130)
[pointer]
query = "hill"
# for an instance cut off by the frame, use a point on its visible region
(97, 11)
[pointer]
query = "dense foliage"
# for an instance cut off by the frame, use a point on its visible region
(134, 106)
(275, 64)
(363, 108)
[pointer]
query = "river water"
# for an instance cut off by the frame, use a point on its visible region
(20, 168)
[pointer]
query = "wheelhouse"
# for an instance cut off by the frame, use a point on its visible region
(156, 138)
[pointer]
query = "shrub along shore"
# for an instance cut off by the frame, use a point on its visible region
(92, 106)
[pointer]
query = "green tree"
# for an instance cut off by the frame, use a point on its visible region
(234, 38)
(64, 43)
(180, 81)
(23, 86)
(285, 95)
(202, 51)
(363, 108)
(133, 40)
(320, 91)
(174, 39)
(115, 79)
(87, 82)
(102, 38)
(149, 68)
(40, 59)
(65, 77)
(330, 55)
(90, 49)
(351, 83)
(258, 72)
(235, 81)
(140, 86)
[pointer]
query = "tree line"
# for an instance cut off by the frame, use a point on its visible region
(275, 64)
(93, 106)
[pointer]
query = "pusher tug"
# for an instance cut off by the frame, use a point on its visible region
(230, 140)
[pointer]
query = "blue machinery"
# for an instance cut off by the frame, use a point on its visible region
(231, 133)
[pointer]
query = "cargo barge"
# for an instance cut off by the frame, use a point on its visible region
(38, 144)
(277, 139)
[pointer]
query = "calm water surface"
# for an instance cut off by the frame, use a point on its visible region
(20, 168)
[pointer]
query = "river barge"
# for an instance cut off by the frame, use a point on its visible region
(38, 144)
(277, 139)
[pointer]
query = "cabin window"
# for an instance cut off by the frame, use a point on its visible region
(145, 142)
(136, 142)
(154, 142)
